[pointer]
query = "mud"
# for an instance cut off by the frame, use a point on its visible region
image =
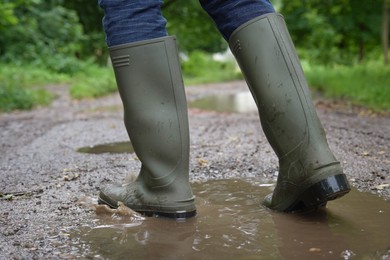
(232, 222)
(43, 177)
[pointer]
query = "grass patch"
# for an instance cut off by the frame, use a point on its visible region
(366, 84)
(22, 87)
(13, 96)
(202, 68)
(93, 81)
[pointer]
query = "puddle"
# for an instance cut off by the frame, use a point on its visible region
(119, 147)
(241, 102)
(230, 223)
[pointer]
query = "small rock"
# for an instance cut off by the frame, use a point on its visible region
(63, 207)
(382, 186)
(315, 250)
(29, 245)
(71, 177)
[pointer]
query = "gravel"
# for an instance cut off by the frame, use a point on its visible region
(45, 184)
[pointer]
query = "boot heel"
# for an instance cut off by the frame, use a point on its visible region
(178, 215)
(320, 193)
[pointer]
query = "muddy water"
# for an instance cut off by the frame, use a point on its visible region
(231, 223)
(118, 147)
(240, 102)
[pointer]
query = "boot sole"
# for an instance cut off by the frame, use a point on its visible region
(317, 195)
(154, 213)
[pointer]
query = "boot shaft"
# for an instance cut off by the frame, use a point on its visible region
(149, 80)
(268, 60)
(309, 174)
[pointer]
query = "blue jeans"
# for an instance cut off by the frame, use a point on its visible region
(128, 21)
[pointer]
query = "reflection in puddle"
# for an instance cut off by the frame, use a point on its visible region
(241, 102)
(119, 147)
(231, 223)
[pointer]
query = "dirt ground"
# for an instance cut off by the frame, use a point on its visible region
(43, 179)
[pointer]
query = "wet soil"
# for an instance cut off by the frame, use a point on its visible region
(44, 180)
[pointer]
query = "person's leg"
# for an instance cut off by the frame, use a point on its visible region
(309, 174)
(132, 20)
(228, 15)
(148, 76)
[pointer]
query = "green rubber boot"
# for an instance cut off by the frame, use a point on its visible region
(309, 174)
(149, 80)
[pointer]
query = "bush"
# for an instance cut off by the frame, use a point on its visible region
(21, 87)
(44, 34)
(15, 95)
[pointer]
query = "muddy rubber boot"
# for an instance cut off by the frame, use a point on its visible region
(309, 174)
(150, 84)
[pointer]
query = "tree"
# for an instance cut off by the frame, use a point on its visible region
(341, 31)
(7, 15)
(192, 26)
(186, 19)
(385, 32)
(90, 17)
(44, 33)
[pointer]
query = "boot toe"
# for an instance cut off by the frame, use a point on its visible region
(110, 196)
(268, 200)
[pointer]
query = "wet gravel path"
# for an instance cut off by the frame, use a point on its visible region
(43, 180)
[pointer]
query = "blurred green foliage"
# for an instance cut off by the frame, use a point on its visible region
(56, 33)
(193, 27)
(43, 34)
(65, 38)
(22, 87)
(14, 96)
(200, 67)
(95, 81)
(335, 31)
(365, 84)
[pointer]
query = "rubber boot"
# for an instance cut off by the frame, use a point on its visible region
(150, 84)
(309, 174)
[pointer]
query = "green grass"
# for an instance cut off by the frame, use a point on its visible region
(22, 87)
(366, 84)
(93, 81)
(201, 68)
